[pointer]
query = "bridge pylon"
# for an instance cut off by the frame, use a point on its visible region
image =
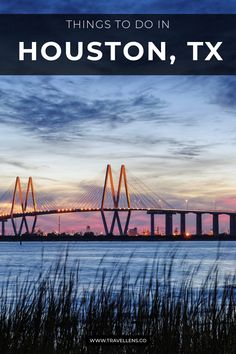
(23, 206)
(116, 200)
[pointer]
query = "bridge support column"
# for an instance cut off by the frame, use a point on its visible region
(3, 227)
(215, 224)
(169, 224)
(182, 224)
(198, 224)
(152, 225)
(116, 218)
(232, 225)
(127, 223)
(104, 223)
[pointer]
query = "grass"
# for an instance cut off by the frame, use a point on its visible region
(53, 315)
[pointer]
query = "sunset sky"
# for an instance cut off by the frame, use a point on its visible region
(177, 134)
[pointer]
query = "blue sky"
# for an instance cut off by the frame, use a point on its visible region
(122, 6)
(178, 134)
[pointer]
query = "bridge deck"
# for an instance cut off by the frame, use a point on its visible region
(92, 210)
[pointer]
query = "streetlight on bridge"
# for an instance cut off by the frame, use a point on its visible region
(186, 204)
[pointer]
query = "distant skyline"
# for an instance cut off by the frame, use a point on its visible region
(178, 134)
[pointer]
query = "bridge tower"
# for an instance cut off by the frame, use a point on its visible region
(116, 200)
(23, 206)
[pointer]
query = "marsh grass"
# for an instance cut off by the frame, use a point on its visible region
(53, 315)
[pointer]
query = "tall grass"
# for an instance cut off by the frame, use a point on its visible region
(52, 315)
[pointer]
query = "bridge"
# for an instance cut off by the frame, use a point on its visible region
(125, 198)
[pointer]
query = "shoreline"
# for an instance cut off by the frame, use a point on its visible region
(67, 238)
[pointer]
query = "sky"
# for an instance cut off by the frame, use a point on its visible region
(113, 6)
(176, 134)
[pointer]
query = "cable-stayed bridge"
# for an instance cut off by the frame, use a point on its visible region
(125, 197)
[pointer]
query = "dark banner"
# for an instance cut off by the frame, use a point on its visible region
(117, 44)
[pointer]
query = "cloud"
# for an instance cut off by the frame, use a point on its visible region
(48, 112)
(190, 149)
(15, 163)
(225, 93)
(122, 6)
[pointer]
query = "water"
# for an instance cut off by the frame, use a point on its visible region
(17, 261)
